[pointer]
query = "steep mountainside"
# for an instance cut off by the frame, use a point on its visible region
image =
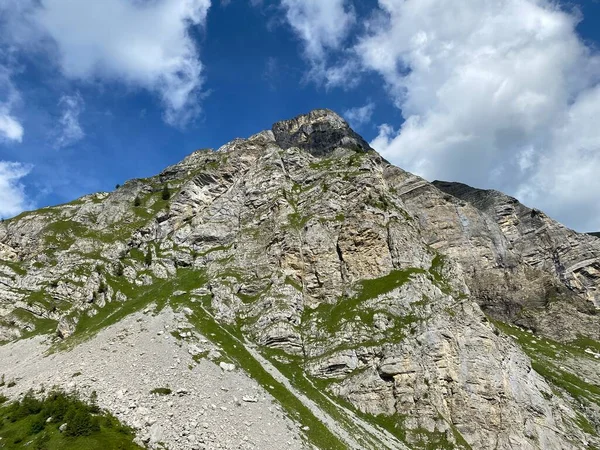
(376, 309)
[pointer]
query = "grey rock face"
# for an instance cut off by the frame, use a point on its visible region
(542, 243)
(543, 276)
(344, 271)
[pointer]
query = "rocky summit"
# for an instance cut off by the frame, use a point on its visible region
(295, 290)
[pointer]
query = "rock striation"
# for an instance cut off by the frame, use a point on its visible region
(393, 312)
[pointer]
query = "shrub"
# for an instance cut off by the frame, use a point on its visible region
(137, 201)
(161, 391)
(148, 257)
(120, 270)
(56, 406)
(28, 406)
(37, 425)
(94, 408)
(80, 422)
(166, 194)
(29, 427)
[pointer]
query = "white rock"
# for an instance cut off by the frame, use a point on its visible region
(227, 367)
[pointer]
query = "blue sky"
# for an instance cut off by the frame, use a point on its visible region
(497, 94)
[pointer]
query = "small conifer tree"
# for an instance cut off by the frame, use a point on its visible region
(166, 194)
(80, 422)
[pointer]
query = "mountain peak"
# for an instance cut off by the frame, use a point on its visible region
(319, 132)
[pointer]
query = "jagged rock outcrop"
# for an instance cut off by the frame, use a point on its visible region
(319, 132)
(357, 280)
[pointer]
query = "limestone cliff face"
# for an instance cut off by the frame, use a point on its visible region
(556, 270)
(346, 271)
(540, 242)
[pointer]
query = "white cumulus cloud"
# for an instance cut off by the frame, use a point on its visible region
(495, 93)
(145, 44)
(13, 199)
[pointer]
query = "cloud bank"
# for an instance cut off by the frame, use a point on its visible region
(146, 45)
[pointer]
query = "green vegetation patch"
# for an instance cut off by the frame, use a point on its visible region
(297, 220)
(585, 343)
(379, 286)
(324, 164)
(219, 248)
(16, 267)
(63, 233)
(34, 423)
(437, 272)
(427, 440)
(333, 316)
(136, 254)
(161, 391)
(571, 383)
(43, 299)
(295, 284)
